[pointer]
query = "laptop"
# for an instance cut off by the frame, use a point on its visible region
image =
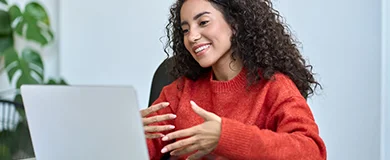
(84, 122)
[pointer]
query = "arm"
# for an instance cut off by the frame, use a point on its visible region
(168, 94)
(296, 136)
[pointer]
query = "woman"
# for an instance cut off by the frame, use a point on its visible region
(241, 87)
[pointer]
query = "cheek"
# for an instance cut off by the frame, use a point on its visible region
(227, 38)
(187, 45)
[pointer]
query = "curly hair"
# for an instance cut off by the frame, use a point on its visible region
(260, 40)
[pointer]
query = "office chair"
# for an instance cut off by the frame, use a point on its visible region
(15, 141)
(160, 79)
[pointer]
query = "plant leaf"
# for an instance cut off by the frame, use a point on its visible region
(14, 12)
(11, 58)
(18, 99)
(38, 13)
(6, 38)
(35, 33)
(33, 58)
(5, 23)
(26, 77)
(5, 43)
(3, 1)
(51, 82)
(38, 24)
(63, 82)
(54, 82)
(22, 134)
(36, 21)
(5, 151)
(28, 63)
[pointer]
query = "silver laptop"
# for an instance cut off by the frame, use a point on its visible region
(84, 122)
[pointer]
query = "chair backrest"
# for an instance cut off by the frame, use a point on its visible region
(161, 78)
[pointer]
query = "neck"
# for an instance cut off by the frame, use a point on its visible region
(226, 68)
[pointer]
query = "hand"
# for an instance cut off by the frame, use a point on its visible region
(151, 132)
(202, 138)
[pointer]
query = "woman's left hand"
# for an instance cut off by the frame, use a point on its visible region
(202, 138)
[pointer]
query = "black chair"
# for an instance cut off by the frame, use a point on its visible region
(160, 79)
(15, 140)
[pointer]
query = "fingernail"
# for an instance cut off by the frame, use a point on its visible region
(173, 116)
(163, 150)
(166, 104)
(165, 138)
(172, 127)
(192, 102)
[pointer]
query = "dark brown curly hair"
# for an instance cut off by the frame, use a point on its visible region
(260, 40)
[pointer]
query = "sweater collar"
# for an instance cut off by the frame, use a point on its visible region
(239, 82)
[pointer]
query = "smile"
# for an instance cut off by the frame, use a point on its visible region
(200, 49)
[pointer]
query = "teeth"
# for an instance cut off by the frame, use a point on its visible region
(201, 48)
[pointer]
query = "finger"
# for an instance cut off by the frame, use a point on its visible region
(154, 119)
(198, 155)
(184, 150)
(152, 129)
(181, 133)
(153, 136)
(208, 116)
(179, 144)
(153, 108)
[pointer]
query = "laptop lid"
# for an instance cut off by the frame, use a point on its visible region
(84, 122)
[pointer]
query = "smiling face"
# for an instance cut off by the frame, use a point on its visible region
(206, 33)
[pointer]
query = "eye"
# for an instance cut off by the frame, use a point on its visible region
(184, 31)
(202, 23)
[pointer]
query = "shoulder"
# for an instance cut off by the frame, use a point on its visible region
(280, 80)
(281, 86)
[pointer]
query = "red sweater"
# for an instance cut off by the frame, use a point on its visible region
(268, 121)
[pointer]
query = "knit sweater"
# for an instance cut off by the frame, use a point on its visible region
(270, 120)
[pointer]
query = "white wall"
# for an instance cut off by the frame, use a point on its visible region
(112, 42)
(118, 43)
(342, 39)
(385, 147)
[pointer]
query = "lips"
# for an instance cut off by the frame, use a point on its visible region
(199, 48)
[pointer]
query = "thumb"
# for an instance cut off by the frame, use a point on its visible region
(207, 116)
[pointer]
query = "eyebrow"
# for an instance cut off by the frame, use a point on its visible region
(195, 17)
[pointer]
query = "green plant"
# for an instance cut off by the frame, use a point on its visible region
(34, 25)
(25, 65)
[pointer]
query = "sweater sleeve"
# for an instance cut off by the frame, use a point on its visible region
(290, 134)
(169, 94)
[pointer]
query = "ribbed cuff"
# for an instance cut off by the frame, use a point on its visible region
(234, 141)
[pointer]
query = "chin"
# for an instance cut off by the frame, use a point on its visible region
(205, 64)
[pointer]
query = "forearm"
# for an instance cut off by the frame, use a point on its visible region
(240, 141)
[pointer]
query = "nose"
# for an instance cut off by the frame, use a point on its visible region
(194, 36)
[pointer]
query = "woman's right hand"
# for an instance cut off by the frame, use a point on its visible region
(152, 131)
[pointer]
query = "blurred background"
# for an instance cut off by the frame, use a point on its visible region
(120, 42)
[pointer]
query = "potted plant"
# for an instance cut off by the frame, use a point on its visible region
(22, 65)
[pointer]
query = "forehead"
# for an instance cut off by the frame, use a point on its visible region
(191, 8)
